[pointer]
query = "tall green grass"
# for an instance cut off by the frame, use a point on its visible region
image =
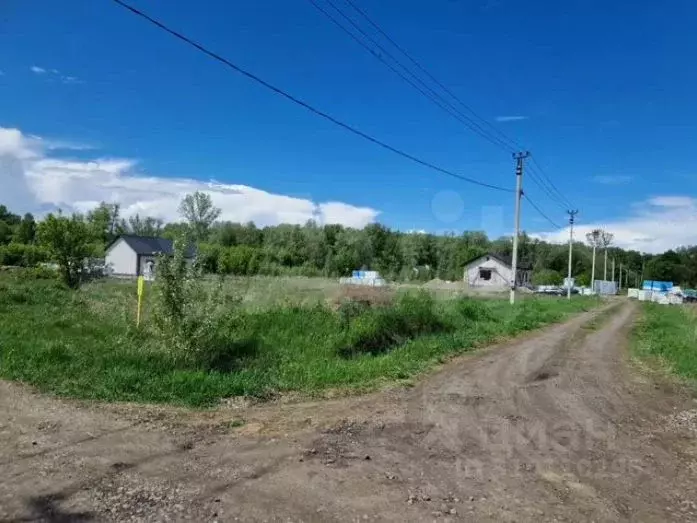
(669, 333)
(85, 344)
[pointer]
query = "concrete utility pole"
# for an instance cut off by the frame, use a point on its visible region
(519, 158)
(605, 266)
(593, 238)
(571, 246)
(605, 241)
(613, 269)
(593, 269)
(620, 275)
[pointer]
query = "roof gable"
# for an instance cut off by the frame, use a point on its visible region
(151, 245)
(505, 260)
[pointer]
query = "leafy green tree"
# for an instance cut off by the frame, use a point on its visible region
(21, 254)
(8, 217)
(26, 230)
(69, 241)
(547, 277)
(173, 231)
(241, 260)
(6, 233)
(142, 226)
(103, 222)
(199, 212)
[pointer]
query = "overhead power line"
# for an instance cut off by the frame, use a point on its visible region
(544, 182)
(412, 79)
(536, 178)
(534, 206)
(554, 188)
(513, 144)
(302, 103)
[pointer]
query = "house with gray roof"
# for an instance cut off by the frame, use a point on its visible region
(130, 255)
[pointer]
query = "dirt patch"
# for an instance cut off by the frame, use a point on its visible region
(551, 427)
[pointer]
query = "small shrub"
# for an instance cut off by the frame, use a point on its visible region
(37, 273)
(416, 313)
(198, 324)
(19, 254)
(369, 296)
(378, 329)
(349, 310)
(371, 332)
(473, 310)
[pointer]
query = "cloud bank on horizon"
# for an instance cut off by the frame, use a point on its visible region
(35, 180)
(655, 225)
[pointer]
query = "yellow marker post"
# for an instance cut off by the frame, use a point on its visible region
(141, 284)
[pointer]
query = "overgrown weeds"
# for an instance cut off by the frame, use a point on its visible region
(379, 329)
(85, 344)
(668, 334)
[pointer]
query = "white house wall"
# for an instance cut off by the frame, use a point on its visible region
(120, 259)
(501, 275)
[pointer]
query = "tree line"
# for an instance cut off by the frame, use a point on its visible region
(313, 249)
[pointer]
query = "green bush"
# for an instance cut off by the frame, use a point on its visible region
(376, 330)
(416, 313)
(37, 273)
(349, 310)
(196, 323)
(547, 277)
(210, 257)
(240, 260)
(473, 310)
(23, 255)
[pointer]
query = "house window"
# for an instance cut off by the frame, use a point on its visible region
(485, 274)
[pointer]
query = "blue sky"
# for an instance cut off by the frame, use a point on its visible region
(606, 90)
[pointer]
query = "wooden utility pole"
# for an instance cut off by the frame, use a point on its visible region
(519, 158)
(571, 246)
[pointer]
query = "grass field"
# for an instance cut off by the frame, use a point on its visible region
(279, 335)
(669, 334)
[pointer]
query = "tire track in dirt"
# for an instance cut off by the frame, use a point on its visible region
(555, 426)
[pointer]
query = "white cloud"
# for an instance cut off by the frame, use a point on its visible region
(671, 201)
(612, 179)
(654, 225)
(70, 80)
(33, 180)
(55, 74)
(510, 118)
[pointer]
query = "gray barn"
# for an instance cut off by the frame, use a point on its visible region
(494, 271)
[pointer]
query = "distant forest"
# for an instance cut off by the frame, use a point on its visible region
(333, 250)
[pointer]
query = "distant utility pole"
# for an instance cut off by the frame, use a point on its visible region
(572, 214)
(605, 241)
(620, 275)
(519, 158)
(613, 269)
(593, 238)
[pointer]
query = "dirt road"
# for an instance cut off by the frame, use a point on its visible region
(559, 426)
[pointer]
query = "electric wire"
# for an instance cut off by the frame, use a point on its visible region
(423, 88)
(514, 144)
(541, 213)
(302, 103)
(542, 180)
